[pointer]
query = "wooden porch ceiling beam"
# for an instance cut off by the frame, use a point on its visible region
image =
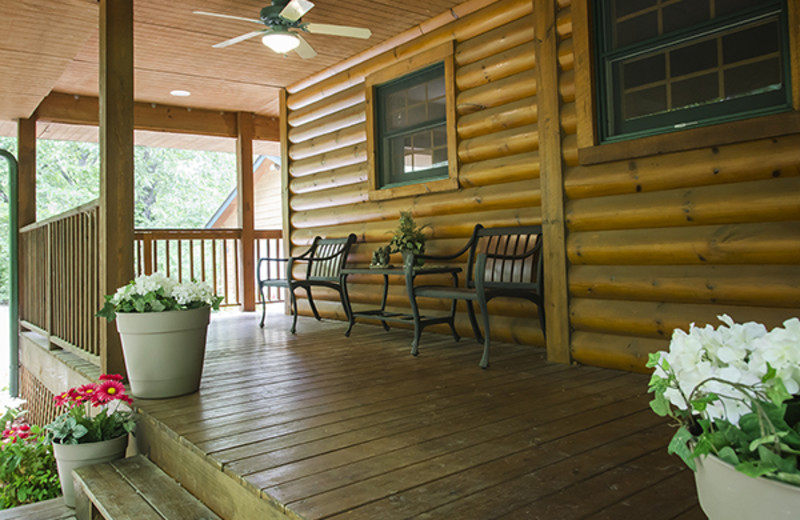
(58, 107)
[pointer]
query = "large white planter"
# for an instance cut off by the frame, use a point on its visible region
(164, 351)
(726, 494)
(73, 456)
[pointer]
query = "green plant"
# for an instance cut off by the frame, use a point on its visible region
(28, 470)
(408, 237)
(77, 425)
(730, 391)
(158, 293)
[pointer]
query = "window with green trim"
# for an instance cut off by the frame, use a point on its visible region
(411, 128)
(665, 65)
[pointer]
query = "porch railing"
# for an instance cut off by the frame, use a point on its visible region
(60, 280)
(210, 255)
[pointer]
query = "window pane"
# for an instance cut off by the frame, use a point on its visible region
(726, 7)
(697, 90)
(644, 102)
(626, 7)
(750, 42)
(694, 58)
(685, 13)
(639, 28)
(753, 78)
(643, 71)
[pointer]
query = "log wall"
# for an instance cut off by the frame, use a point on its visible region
(497, 153)
(653, 242)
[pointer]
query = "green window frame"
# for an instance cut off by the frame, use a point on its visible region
(411, 128)
(666, 65)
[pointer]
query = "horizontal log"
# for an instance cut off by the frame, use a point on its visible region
(497, 93)
(569, 150)
(566, 55)
(749, 161)
(327, 161)
(762, 243)
(512, 168)
(446, 226)
(326, 179)
(325, 143)
(495, 41)
(511, 115)
(566, 86)
(486, 198)
(330, 123)
(499, 144)
(613, 351)
(564, 23)
(519, 330)
(658, 320)
(494, 15)
(331, 198)
(757, 285)
(327, 106)
(569, 119)
(495, 67)
(758, 201)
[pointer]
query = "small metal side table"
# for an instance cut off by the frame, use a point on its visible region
(410, 274)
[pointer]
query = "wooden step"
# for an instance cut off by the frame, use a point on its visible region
(134, 489)
(53, 509)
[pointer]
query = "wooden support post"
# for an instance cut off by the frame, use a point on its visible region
(116, 163)
(244, 181)
(26, 156)
(286, 212)
(551, 176)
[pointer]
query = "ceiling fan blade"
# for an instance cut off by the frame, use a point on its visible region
(338, 30)
(295, 9)
(229, 17)
(238, 39)
(304, 50)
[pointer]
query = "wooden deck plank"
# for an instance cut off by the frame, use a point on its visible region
(53, 509)
(317, 425)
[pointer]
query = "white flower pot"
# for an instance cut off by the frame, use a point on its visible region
(72, 456)
(164, 351)
(726, 494)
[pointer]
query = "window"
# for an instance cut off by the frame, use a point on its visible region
(411, 137)
(665, 65)
(412, 128)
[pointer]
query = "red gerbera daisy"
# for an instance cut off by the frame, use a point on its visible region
(108, 391)
(110, 377)
(62, 399)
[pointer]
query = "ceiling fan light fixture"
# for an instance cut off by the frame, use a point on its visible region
(280, 42)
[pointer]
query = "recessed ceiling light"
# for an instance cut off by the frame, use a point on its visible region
(180, 93)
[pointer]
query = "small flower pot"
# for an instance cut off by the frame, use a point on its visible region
(73, 456)
(164, 351)
(727, 494)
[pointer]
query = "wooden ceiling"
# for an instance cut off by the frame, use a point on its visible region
(52, 46)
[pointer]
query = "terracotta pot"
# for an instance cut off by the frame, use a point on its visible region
(72, 456)
(727, 494)
(164, 351)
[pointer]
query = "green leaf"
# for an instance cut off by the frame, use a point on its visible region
(756, 468)
(728, 455)
(679, 445)
(660, 405)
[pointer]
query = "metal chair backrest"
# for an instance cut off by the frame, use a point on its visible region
(327, 257)
(512, 257)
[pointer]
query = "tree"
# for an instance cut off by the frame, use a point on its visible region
(173, 188)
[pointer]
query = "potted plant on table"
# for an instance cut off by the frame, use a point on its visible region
(731, 391)
(162, 324)
(408, 238)
(92, 429)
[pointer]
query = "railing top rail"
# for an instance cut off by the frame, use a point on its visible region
(268, 233)
(178, 234)
(83, 208)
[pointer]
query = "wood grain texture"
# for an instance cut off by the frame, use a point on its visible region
(322, 426)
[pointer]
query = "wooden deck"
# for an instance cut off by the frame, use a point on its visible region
(316, 425)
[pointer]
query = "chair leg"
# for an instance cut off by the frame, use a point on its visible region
(293, 299)
(311, 303)
(475, 329)
(540, 308)
(486, 334)
(263, 308)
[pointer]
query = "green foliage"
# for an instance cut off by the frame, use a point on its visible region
(77, 427)
(28, 471)
(174, 188)
(408, 236)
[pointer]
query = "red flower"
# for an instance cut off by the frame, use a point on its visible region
(110, 377)
(62, 399)
(108, 391)
(87, 391)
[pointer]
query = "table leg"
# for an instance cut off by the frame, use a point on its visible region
(414, 310)
(383, 299)
(452, 321)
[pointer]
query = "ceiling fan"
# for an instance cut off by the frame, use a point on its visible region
(283, 27)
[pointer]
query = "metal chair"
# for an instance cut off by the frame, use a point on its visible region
(503, 262)
(324, 262)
